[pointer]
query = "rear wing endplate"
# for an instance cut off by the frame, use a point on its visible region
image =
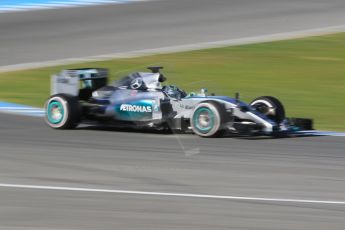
(71, 80)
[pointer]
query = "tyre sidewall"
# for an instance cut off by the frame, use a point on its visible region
(271, 102)
(69, 119)
(216, 122)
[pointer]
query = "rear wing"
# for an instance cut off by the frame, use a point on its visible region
(70, 81)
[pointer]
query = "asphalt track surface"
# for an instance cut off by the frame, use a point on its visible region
(31, 153)
(46, 35)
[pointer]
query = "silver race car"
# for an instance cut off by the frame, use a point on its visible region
(140, 100)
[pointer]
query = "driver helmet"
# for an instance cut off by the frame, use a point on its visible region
(173, 91)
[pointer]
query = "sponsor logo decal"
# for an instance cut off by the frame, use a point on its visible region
(136, 108)
(187, 106)
(139, 110)
(62, 80)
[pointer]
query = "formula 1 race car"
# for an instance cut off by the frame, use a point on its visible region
(140, 100)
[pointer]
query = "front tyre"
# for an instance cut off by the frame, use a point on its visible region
(271, 107)
(62, 111)
(207, 119)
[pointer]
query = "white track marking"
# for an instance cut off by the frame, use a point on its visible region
(180, 48)
(190, 195)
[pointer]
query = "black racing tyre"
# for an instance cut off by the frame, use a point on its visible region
(62, 111)
(269, 106)
(207, 119)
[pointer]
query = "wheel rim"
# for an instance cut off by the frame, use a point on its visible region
(55, 112)
(203, 120)
(265, 109)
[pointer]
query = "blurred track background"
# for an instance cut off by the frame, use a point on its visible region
(39, 36)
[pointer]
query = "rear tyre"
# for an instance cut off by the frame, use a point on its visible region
(62, 111)
(207, 119)
(271, 107)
